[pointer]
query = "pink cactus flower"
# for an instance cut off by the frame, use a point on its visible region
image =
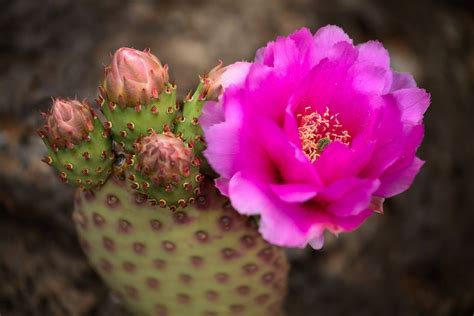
(68, 123)
(315, 135)
(134, 77)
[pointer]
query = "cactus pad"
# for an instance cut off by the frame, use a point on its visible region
(188, 127)
(205, 260)
(129, 123)
(86, 165)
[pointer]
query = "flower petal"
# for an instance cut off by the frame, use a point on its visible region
(223, 147)
(281, 151)
(402, 80)
(399, 179)
(370, 79)
(294, 192)
(250, 197)
(413, 103)
(288, 51)
(223, 185)
(373, 53)
(349, 196)
(325, 39)
(212, 113)
(235, 74)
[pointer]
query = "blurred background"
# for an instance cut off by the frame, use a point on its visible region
(416, 259)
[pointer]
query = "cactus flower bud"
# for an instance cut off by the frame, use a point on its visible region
(166, 169)
(79, 148)
(134, 77)
(219, 78)
(68, 123)
(163, 158)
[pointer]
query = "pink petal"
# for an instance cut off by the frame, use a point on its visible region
(292, 193)
(413, 103)
(287, 51)
(370, 79)
(389, 138)
(349, 223)
(267, 92)
(281, 151)
(250, 197)
(223, 185)
(325, 39)
(373, 65)
(349, 196)
(373, 53)
(290, 124)
(317, 242)
(212, 113)
(235, 74)
(339, 161)
(223, 147)
(398, 180)
(402, 80)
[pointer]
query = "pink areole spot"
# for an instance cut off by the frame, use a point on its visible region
(222, 277)
(262, 299)
(161, 310)
(159, 264)
(152, 283)
(212, 295)
(168, 246)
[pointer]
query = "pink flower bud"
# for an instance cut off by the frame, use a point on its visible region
(163, 158)
(134, 77)
(219, 78)
(68, 123)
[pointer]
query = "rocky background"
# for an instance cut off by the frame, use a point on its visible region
(417, 259)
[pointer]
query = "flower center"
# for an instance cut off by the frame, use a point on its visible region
(316, 131)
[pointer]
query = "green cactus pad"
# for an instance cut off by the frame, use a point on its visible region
(206, 260)
(187, 127)
(129, 123)
(87, 165)
(171, 195)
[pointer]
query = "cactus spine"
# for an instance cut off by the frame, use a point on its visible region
(152, 225)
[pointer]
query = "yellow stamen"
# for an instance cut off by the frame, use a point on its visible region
(316, 131)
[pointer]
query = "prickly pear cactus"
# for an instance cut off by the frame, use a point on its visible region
(203, 260)
(153, 225)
